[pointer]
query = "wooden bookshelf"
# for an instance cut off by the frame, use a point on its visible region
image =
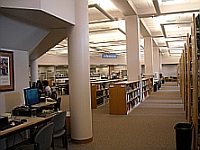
(195, 79)
(190, 79)
(99, 93)
(145, 88)
(150, 82)
(124, 96)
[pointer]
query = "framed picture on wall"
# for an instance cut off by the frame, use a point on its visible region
(6, 71)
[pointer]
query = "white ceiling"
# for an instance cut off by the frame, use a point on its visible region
(166, 21)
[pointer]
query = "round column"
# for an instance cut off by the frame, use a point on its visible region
(34, 71)
(79, 76)
(133, 47)
(148, 55)
(156, 59)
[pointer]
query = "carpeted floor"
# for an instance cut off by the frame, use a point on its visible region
(150, 126)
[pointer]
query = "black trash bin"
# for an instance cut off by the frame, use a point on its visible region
(155, 86)
(159, 84)
(163, 81)
(183, 136)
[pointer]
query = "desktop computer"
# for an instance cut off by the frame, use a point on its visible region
(23, 111)
(3, 122)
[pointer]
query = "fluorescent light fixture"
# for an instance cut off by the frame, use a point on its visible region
(175, 51)
(175, 55)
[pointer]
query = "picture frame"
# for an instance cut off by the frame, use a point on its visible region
(6, 71)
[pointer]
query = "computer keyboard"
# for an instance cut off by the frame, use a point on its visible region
(46, 113)
(10, 124)
(50, 100)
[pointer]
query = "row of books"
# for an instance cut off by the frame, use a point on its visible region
(132, 95)
(132, 104)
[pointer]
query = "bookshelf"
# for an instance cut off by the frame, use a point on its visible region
(145, 88)
(195, 77)
(124, 96)
(99, 93)
(190, 78)
(150, 82)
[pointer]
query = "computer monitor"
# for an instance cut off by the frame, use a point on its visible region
(31, 96)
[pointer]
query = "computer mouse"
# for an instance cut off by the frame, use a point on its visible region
(23, 120)
(12, 123)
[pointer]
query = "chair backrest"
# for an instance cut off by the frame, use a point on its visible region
(43, 138)
(58, 103)
(54, 95)
(59, 120)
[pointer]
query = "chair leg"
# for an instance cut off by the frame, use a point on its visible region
(64, 140)
(52, 143)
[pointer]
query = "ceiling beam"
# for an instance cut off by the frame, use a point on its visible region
(163, 30)
(127, 8)
(150, 13)
(121, 41)
(102, 11)
(105, 30)
(156, 6)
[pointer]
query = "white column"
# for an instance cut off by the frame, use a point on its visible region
(54, 74)
(34, 70)
(156, 61)
(148, 55)
(79, 76)
(133, 47)
(160, 62)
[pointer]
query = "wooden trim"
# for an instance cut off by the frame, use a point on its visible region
(195, 82)
(187, 46)
(93, 96)
(9, 76)
(82, 141)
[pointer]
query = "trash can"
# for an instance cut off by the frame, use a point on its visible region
(155, 86)
(183, 136)
(159, 84)
(163, 81)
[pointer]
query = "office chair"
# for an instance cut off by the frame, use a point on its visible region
(57, 105)
(54, 95)
(43, 139)
(60, 128)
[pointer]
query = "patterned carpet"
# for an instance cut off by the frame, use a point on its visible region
(150, 126)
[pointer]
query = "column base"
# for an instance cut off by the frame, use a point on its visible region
(82, 141)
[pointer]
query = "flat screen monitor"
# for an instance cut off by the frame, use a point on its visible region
(31, 96)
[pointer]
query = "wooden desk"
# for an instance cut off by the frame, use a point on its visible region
(31, 122)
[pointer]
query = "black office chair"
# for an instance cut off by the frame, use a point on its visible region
(43, 139)
(57, 105)
(60, 128)
(54, 95)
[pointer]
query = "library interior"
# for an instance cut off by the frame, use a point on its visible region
(100, 74)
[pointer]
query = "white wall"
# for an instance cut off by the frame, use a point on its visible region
(170, 59)
(9, 99)
(52, 60)
(169, 70)
(121, 60)
(63, 9)
(63, 60)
